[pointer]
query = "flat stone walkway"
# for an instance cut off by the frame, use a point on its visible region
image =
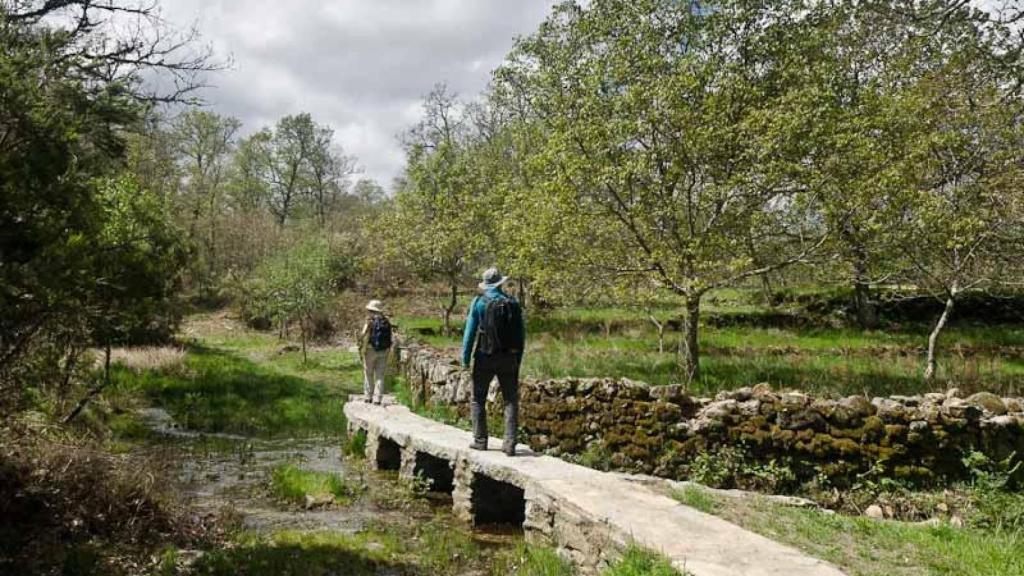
(622, 511)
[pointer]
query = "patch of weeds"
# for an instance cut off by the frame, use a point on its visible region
(596, 456)
(128, 427)
(697, 498)
(641, 562)
(732, 467)
(70, 507)
(531, 560)
(419, 485)
(997, 503)
(441, 549)
(299, 486)
(354, 445)
(167, 563)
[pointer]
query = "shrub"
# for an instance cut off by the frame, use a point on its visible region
(732, 467)
(69, 505)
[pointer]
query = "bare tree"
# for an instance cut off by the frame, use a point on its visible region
(329, 170)
(120, 41)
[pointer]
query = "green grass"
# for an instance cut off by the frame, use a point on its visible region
(238, 381)
(218, 391)
(838, 361)
(640, 562)
(531, 560)
(293, 484)
(430, 548)
(698, 499)
(355, 444)
(866, 547)
(295, 553)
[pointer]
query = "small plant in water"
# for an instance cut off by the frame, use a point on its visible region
(306, 487)
(355, 445)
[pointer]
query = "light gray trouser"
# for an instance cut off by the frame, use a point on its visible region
(485, 368)
(375, 363)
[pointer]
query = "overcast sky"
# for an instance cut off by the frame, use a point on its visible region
(360, 66)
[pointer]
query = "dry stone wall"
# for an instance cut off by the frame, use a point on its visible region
(659, 430)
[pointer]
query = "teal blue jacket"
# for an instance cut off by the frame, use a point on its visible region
(473, 317)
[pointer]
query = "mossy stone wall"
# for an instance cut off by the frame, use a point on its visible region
(659, 430)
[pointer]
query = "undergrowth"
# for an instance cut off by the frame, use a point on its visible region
(71, 507)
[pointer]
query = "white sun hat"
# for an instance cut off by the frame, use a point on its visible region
(492, 278)
(375, 306)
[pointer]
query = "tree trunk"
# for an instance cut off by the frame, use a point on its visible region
(867, 314)
(446, 311)
(302, 328)
(766, 288)
(690, 347)
(933, 339)
(661, 333)
(70, 362)
(864, 308)
(95, 391)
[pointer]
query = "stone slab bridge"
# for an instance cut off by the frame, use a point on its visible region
(590, 515)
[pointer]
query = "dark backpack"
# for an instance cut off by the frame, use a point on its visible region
(380, 332)
(501, 328)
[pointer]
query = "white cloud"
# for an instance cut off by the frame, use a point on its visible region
(360, 66)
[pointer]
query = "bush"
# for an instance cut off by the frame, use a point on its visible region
(69, 506)
(732, 467)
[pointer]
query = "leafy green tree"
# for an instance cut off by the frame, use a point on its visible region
(70, 91)
(328, 170)
(659, 157)
(295, 284)
(965, 167)
(137, 261)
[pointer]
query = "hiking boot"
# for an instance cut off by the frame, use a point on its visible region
(509, 449)
(478, 445)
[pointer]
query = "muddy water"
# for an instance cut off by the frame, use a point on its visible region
(219, 472)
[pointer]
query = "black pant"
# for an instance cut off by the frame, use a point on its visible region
(506, 368)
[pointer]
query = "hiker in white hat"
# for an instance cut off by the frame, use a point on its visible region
(496, 326)
(375, 340)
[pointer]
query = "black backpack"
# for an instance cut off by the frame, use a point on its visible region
(501, 328)
(380, 332)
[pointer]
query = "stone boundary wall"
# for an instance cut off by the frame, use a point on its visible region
(659, 429)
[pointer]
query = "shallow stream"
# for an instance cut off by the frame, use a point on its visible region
(224, 472)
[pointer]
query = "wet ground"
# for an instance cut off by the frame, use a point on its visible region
(224, 472)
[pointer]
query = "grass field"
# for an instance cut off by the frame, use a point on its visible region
(238, 381)
(867, 547)
(587, 342)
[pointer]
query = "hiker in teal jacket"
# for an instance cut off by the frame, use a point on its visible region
(502, 362)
